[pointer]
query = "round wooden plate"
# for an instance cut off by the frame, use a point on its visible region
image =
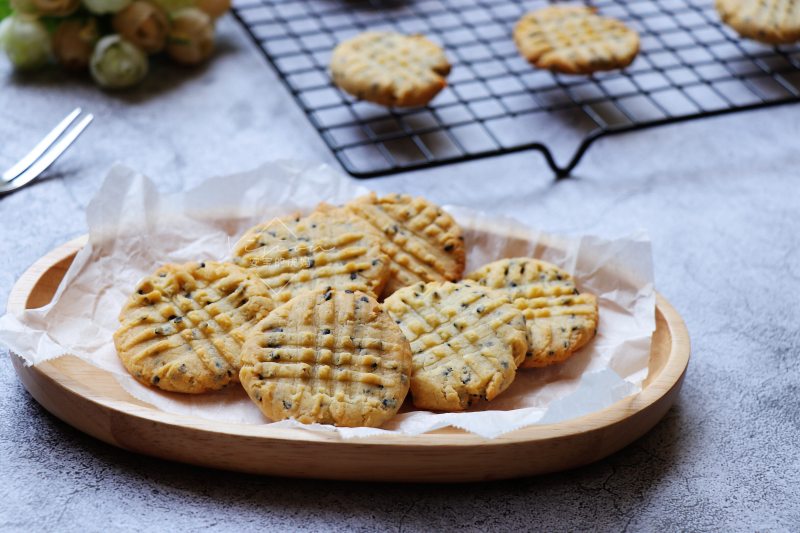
(91, 400)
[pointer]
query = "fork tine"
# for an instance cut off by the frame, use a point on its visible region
(41, 164)
(20, 166)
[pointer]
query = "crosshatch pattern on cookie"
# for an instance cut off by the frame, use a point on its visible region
(183, 328)
(768, 21)
(466, 342)
(328, 356)
(422, 241)
(328, 248)
(560, 319)
(574, 40)
(390, 68)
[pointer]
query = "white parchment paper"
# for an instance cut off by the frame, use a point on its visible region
(133, 229)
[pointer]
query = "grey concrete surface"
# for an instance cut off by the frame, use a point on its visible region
(720, 199)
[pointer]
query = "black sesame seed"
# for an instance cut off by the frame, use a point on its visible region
(311, 263)
(202, 265)
(364, 299)
(353, 275)
(287, 405)
(156, 379)
(448, 248)
(326, 331)
(348, 291)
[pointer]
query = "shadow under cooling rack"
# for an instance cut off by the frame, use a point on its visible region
(690, 66)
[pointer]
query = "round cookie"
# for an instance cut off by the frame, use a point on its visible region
(466, 342)
(423, 242)
(767, 21)
(329, 248)
(328, 356)
(560, 319)
(574, 40)
(183, 328)
(389, 68)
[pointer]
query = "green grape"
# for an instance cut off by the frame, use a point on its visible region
(25, 41)
(191, 38)
(116, 63)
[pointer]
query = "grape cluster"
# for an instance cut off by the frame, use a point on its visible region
(112, 39)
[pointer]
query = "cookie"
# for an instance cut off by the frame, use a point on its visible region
(574, 40)
(423, 242)
(466, 342)
(390, 69)
(560, 319)
(183, 328)
(328, 356)
(767, 21)
(329, 248)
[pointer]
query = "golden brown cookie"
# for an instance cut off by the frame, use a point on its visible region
(767, 21)
(423, 242)
(328, 356)
(183, 328)
(390, 69)
(560, 319)
(329, 248)
(466, 342)
(574, 40)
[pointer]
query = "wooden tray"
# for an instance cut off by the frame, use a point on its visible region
(91, 400)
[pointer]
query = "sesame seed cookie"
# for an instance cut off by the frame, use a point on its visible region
(183, 328)
(767, 21)
(329, 248)
(328, 356)
(574, 40)
(389, 68)
(466, 342)
(422, 241)
(560, 319)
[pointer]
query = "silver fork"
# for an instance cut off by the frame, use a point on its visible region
(44, 153)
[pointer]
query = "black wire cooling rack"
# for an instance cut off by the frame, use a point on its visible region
(690, 66)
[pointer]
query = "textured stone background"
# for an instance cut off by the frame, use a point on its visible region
(719, 198)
